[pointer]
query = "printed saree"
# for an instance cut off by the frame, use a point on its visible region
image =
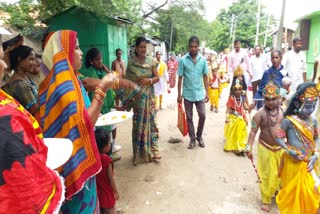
(27, 185)
(63, 113)
(144, 131)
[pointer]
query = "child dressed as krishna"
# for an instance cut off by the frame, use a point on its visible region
(300, 185)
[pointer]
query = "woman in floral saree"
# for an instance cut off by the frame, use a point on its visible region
(142, 70)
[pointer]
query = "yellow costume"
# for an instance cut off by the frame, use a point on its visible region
(298, 195)
(235, 133)
(268, 172)
(214, 92)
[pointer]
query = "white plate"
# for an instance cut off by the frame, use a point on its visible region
(113, 117)
(59, 151)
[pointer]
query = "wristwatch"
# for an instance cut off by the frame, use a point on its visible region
(248, 148)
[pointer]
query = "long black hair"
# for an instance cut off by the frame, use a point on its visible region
(292, 108)
(90, 55)
(18, 54)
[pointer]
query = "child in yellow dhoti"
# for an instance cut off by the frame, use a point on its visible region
(300, 185)
(268, 120)
(235, 130)
(213, 90)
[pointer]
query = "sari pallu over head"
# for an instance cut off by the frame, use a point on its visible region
(63, 111)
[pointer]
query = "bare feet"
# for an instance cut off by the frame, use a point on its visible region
(265, 207)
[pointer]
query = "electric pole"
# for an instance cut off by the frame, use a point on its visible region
(279, 35)
(266, 34)
(258, 24)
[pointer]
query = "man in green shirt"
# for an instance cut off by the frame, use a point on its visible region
(193, 70)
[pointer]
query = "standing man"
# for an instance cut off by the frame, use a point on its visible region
(238, 57)
(294, 63)
(258, 65)
(193, 70)
(119, 66)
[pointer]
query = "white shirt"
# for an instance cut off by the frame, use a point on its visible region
(295, 64)
(215, 84)
(257, 66)
(238, 58)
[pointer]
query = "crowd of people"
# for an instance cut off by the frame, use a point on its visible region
(50, 96)
(285, 104)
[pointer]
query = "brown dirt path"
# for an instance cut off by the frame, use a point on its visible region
(200, 181)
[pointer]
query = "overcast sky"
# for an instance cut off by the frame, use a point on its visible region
(294, 8)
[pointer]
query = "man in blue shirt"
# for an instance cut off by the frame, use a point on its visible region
(193, 70)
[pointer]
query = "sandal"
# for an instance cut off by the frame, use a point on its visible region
(192, 144)
(157, 157)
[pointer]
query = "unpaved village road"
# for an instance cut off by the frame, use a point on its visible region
(199, 181)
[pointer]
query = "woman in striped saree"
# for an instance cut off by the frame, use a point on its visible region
(66, 111)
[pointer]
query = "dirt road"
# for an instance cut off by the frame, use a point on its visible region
(198, 181)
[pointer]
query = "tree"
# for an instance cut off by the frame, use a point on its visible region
(23, 15)
(245, 12)
(175, 20)
(26, 13)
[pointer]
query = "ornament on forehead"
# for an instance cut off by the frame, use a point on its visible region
(271, 90)
(237, 85)
(238, 71)
(311, 93)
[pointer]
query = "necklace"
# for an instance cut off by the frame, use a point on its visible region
(269, 115)
(236, 103)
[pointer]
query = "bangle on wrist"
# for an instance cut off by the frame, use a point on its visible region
(150, 81)
(101, 88)
(100, 92)
(99, 100)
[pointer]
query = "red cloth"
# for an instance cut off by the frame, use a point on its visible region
(234, 106)
(105, 192)
(27, 185)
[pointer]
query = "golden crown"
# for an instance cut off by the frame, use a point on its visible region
(271, 90)
(311, 93)
(238, 71)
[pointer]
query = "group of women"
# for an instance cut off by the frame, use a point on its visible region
(64, 110)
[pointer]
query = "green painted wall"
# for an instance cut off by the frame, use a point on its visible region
(106, 35)
(314, 44)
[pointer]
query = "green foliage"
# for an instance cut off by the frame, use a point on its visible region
(23, 15)
(177, 18)
(245, 11)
